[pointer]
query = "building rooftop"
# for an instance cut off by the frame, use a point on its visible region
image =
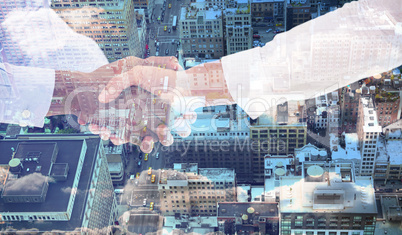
(218, 174)
(59, 192)
(237, 209)
(197, 225)
(370, 116)
(186, 167)
(327, 188)
(310, 152)
(394, 150)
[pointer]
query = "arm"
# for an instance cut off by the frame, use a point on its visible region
(359, 40)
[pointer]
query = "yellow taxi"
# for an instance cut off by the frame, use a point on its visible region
(165, 28)
(146, 157)
(153, 179)
(150, 171)
(170, 5)
(151, 206)
(137, 175)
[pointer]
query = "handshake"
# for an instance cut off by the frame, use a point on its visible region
(131, 100)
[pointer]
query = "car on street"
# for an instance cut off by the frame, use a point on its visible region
(146, 157)
(139, 164)
(144, 203)
(157, 155)
(166, 51)
(165, 28)
(153, 178)
(137, 175)
(157, 48)
(169, 30)
(140, 156)
(132, 177)
(170, 5)
(151, 206)
(150, 171)
(177, 55)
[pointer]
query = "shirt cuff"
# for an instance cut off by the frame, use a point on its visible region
(33, 91)
(244, 75)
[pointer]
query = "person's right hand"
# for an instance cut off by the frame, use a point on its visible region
(148, 117)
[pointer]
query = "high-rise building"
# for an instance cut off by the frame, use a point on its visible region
(111, 24)
(238, 30)
(328, 198)
(57, 182)
(279, 134)
(201, 31)
(194, 191)
(219, 139)
(368, 132)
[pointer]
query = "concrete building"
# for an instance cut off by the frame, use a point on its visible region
(350, 153)
(219, 139)
(368, 132)
(248, 217)
(280, 136)
(388, 165)
(238, 30)
(267, 10)
(327, 199)
(297, 12)
(391, 208)
(393, 131)
(327, 112)
(56, 182)
(113, 25)
(276, 167)
(201, 31)
(193, 191)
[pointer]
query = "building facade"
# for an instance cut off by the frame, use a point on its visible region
(279, 137)
(195, 191)
(327, 199)
(201, 31)
(368, 132)
(111, 24)
(238, 30)
(76, 164)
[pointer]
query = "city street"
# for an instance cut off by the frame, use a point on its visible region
(156, 28)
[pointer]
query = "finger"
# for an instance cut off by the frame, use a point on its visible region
(147, 144)
(167, 62)
(164, 135)
(103, 132)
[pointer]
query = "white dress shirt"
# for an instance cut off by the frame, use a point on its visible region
(36, 42)
(360, 40)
